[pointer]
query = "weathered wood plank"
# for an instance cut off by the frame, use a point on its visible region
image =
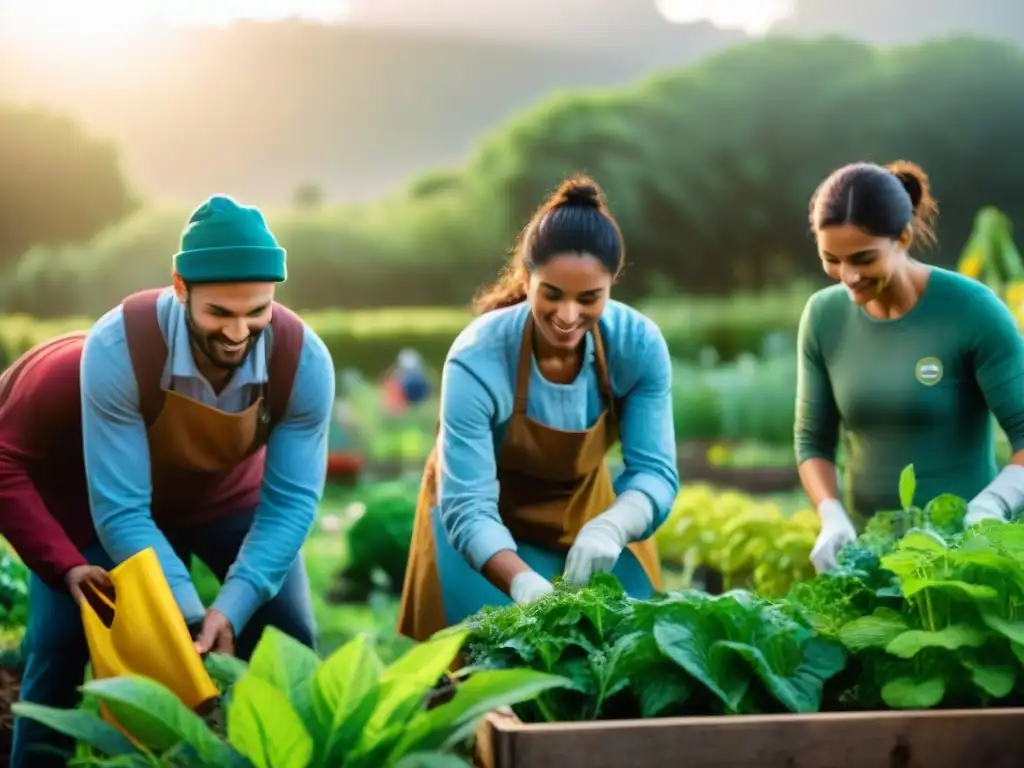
(982, 738)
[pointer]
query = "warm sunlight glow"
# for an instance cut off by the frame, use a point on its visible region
(100, 27)
(752, 16)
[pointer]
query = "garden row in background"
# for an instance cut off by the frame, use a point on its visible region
(369, 340)
(694, 327)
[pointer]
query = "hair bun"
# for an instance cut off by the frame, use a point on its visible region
(581, 191)
(914, 180)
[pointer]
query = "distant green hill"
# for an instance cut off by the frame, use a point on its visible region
(708, 168)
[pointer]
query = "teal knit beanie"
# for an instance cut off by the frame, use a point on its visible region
(225, 242)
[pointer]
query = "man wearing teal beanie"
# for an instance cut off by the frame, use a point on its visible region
(219, 441)
(203, 411)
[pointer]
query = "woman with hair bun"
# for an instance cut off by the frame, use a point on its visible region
(534, 392)
(911, 360)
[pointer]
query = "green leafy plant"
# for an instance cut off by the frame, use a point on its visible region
(13, 590)
(289, 709)
(378, 542)
(752, 543)
(920, 613)
(681, 653)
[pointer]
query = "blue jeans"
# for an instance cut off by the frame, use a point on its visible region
(55, 651)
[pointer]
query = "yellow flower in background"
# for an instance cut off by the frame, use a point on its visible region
(971, 265)
(1015, 293)
(718, 455)
(1014, 299)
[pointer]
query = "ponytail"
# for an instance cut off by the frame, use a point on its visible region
(509, 290)
(926, 209)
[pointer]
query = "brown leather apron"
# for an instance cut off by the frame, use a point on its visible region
(551, 483)
(193, 443)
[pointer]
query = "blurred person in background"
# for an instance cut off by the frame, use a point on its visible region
(910, 360)
(192, 420)
(406, 382)
(534, 392)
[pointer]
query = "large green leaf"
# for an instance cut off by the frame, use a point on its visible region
(431, 760)
(290, 667)
(481, 693)
(908, 484)
(345, 690)
(912, 693)
(952, 587)
(403, 689)
(82, 726)
(225, 670)
(798, 690)
(1011, 630)
(263, 726)
(689, 639)
(913, 641)
(156, 717)
(874, 631)
(994, 679)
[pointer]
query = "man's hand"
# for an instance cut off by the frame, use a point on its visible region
(216, 634)
(76, 578)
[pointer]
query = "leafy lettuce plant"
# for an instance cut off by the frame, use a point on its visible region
(939, 619)
(681, 653)
(751, 543)
(289, 709)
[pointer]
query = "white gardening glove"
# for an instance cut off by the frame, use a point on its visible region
(1000, 500)
(836, 532)
(601, 541)
(527, 586)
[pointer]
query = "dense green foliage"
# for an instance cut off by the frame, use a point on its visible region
(920, 614)
(378, 542)
(369, 340)
(708, 168)
(58, 185)
(290, 709)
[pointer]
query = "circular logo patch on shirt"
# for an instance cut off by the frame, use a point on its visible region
(928, 371)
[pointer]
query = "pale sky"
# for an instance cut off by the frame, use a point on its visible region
(98, 24)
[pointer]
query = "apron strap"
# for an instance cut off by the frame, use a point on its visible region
(148, 350)
(523, 370)
(285, 351)
(604, 381)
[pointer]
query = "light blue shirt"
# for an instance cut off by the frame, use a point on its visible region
(118, 468)
(477, 394)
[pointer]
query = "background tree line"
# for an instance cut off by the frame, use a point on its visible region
(709, 169)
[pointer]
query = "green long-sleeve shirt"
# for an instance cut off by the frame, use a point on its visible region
(920, 389)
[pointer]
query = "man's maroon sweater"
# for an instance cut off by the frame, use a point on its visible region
(44, 504)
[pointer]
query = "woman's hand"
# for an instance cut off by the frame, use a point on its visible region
(836, 532)
(601, 541)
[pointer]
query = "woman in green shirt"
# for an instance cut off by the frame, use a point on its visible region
(911, 360)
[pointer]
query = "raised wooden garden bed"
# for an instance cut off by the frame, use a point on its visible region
(693, 464)
(962, 738)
